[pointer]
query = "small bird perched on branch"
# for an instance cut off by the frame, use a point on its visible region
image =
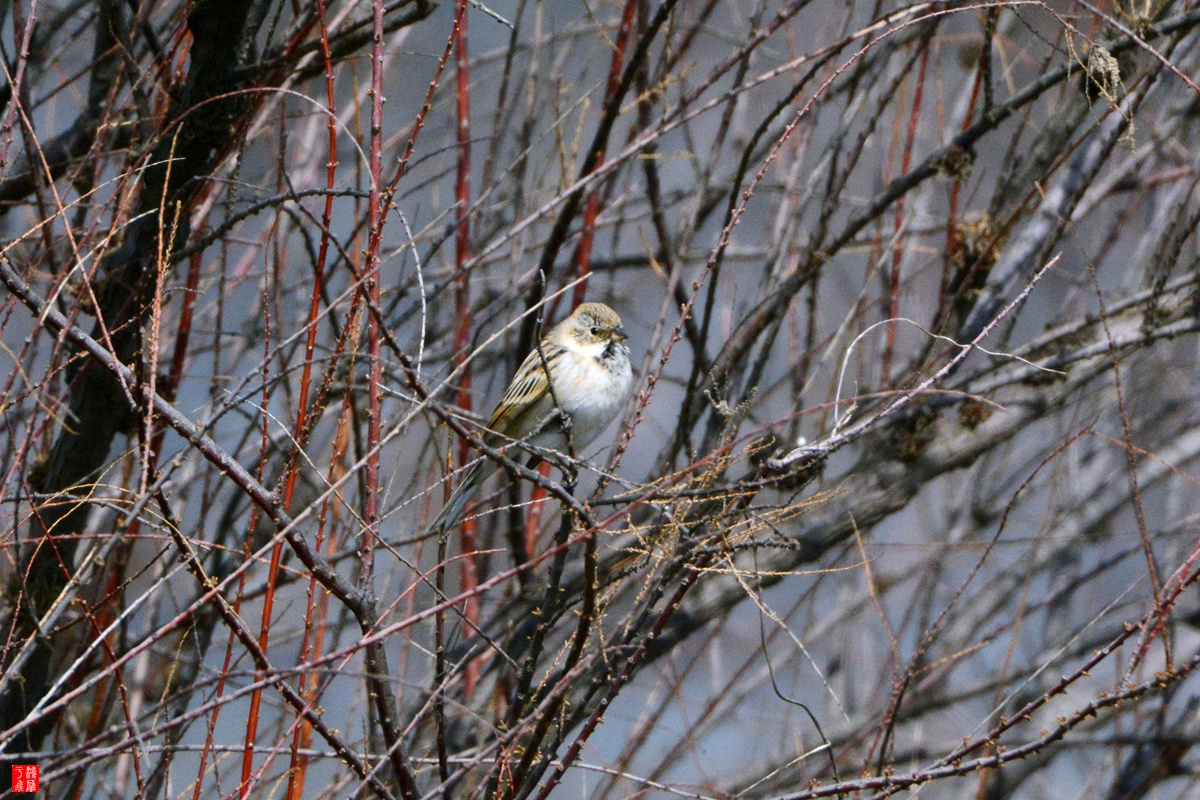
(590, 378)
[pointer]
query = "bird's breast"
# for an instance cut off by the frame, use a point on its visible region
(591, 393)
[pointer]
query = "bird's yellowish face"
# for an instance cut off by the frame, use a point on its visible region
(595, 324)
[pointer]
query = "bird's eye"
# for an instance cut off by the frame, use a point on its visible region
(595, 331)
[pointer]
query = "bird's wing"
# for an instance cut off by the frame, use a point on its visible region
(528, 400)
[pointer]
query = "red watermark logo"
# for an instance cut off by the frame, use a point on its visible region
(24, 778)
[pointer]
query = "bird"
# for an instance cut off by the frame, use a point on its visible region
(590, 379)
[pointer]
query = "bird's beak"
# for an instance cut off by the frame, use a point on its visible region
(620, 335)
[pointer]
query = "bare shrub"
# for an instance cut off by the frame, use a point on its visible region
(902, 499)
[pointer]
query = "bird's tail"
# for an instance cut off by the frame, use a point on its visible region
(463, 493)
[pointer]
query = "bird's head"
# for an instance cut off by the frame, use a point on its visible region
(595, 324)
(595, 329)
